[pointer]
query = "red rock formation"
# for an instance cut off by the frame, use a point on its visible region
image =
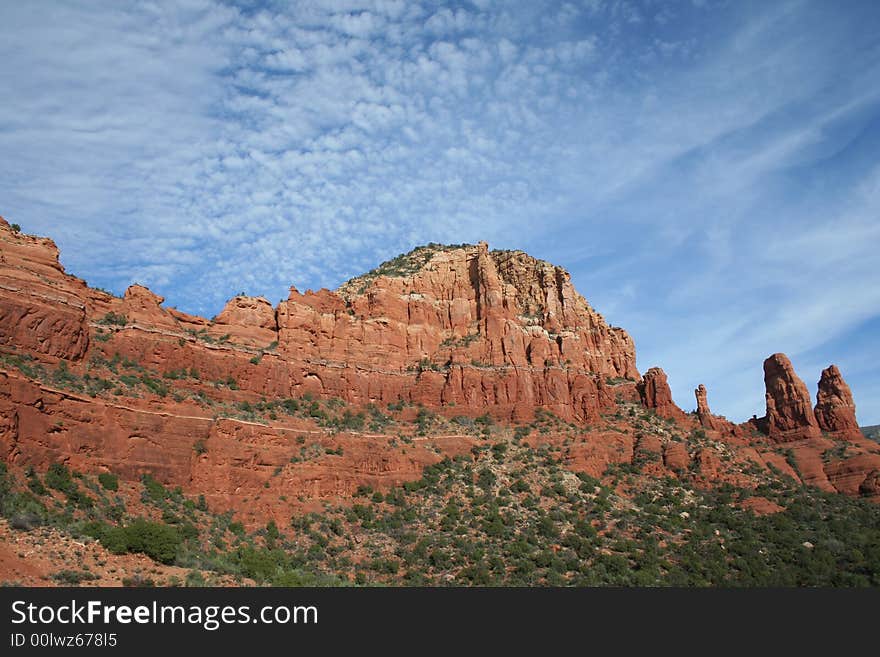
(42, 309)
(835, 411)
(465, 326)
(675, 456)
(143, 307)
(870, 486)
(593, 456)
(655, 393)
(247, 320)
(779, 462)
(761, 506)
(709, 462)
(41, 425)
(855, 475)
(707, 420)
(789, 411)
(486, 331)
(647, 446)
(810, 465)
(497, 332)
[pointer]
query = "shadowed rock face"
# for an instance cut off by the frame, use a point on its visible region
(835, 411)
(789, 408)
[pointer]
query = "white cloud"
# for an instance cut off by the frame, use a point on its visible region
(201, 149)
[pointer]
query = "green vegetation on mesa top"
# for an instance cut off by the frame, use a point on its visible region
(872, 432)
(403, 265)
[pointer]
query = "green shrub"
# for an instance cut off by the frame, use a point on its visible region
(486, 479)
(153, 490)
(112, 537)
(34, 482)
(114, 319)
(157, 540)
(109, 481)
(272, 534)
(156, 386)
(261, 565)
(12, 502)
(73, 577)
(79, 499)
(25, 521)
(59, 478)
(195, 578)
(138, 581)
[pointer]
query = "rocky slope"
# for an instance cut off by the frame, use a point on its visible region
(292, 406)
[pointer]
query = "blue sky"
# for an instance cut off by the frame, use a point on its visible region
(709, 172)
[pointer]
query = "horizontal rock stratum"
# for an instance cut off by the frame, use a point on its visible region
(127, 385)
(495, 330)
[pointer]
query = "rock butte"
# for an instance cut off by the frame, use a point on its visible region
(707, 420)
(789, 411)
(463, 330)
(835, 411)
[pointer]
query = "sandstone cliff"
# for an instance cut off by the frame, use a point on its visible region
(41, 308)
(127, 385)
(487, 331)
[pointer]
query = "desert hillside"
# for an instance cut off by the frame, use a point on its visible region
(456, 416)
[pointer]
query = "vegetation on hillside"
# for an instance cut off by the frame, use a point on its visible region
(511, 515)
(405, 264)
(506, 514)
